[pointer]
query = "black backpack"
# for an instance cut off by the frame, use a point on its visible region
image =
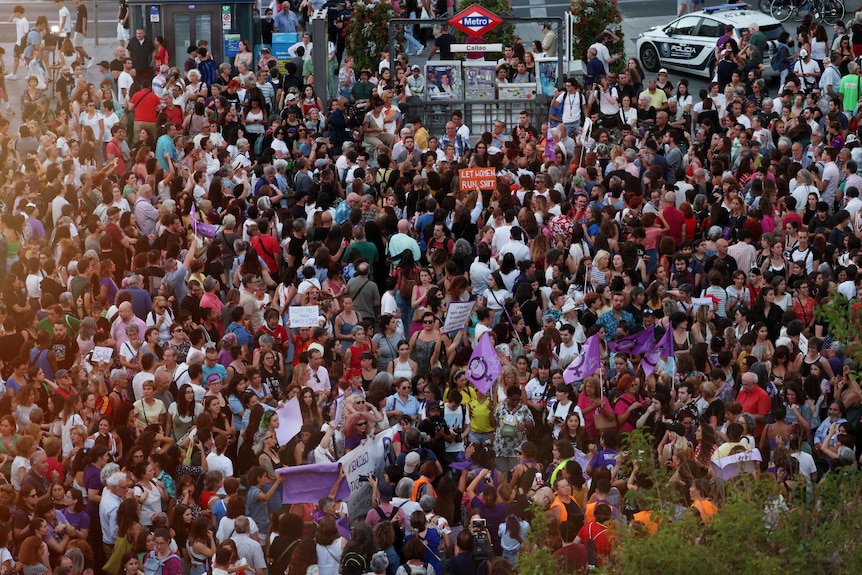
(398, 544)
(592, 555)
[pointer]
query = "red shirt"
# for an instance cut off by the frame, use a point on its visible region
(146, 106)
(114, 149)
(675, 220)
(573, 558)
(266, 247)
(174, 114)
(601, 537)
(755, 402)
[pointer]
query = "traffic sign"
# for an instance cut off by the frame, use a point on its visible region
(475, 21)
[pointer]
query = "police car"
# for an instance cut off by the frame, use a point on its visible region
(688, 43)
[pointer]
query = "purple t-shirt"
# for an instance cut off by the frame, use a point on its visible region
(92, 480)
(604, 458)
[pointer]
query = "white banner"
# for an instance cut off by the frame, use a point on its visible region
(366, 459)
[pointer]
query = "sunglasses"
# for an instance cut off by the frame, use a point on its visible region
(428, 321)
(362, 424)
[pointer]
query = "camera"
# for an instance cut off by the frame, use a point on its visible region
(364, 478)
(457, 430)
(481, 543)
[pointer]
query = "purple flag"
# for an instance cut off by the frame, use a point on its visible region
(308, 483)
(587, 362)
(484, 367)
(641, 342)
(664, 347)
(200, 228)
(550, 152)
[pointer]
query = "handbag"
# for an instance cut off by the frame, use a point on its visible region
(603, 422)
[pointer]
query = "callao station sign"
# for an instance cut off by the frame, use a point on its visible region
(475, 21)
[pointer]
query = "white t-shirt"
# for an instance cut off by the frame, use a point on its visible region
(456, 418)
(125, 81)
(66, 19)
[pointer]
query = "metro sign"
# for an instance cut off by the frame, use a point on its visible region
(475, 21)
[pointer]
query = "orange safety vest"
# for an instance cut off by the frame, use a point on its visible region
(417, 485)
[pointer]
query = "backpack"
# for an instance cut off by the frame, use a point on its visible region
(153, 565)
(592, 555)
(778, 57)
(209, 72)
(398, 544)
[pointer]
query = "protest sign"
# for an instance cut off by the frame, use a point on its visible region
(477, 178)
(304, 316)
(456, 315)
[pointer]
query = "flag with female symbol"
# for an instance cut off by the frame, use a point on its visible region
(664, 347)
(484, 367)
(640, 342)
(587, 362)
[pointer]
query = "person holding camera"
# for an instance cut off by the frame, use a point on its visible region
(606, 98)
(463, 563)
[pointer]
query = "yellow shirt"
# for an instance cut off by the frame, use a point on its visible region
(480, 415)
(657, 98)
(421, 139)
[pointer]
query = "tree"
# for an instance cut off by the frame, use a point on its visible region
(368, 32)
(591, 17)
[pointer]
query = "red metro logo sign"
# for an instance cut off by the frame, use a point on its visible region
(475, 21)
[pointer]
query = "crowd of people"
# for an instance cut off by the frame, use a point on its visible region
(159, 223)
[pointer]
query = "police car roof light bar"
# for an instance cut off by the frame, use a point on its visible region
(725, 7)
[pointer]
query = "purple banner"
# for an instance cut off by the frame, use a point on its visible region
(308, 483)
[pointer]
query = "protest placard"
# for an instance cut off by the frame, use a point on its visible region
(304, 316)
(456, 315)
(477, 178)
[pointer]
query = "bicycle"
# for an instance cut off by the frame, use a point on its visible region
(829, 11)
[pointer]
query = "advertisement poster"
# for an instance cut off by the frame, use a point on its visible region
(443, 80)
(517, 91)
(546, 74)
(479, 80)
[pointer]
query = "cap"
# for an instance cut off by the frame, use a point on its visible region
(213, 377)
(728, 27)
(663, 71)
(803, 53)
(290, 97)
(411, 462)
(851, 139)
(351, 373)
(61, 373)
(316, 346)
(320, 163)
(433, 405)
(569, 306)
(415, 67)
